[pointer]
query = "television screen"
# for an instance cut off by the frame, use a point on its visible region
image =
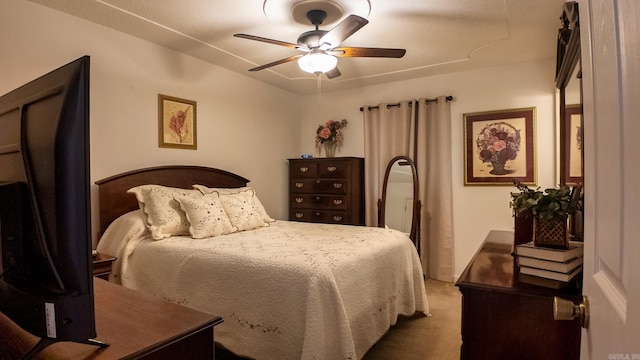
(46, 286)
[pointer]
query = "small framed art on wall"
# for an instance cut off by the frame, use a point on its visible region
(176, 123)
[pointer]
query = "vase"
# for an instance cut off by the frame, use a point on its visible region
(551, 233)
(498, 168)
(330, 148)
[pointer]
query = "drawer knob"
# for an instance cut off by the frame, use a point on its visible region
(304, 169)
(337, 202)
(337, 217)
(317, 197)
(299, 200)
(299, 185)
(317, 214)
(337, 185)
(331, 168)
(299, 215)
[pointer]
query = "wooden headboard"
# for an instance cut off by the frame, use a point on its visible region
(115, 201)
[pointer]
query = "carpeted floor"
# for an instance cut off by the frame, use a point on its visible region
(425, 337)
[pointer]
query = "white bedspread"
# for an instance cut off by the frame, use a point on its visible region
(291, 290)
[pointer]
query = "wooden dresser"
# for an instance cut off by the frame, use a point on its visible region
(506, 319)
(135, 325)
(102, 264)
(327, 190)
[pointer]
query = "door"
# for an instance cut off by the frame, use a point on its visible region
(610, 38)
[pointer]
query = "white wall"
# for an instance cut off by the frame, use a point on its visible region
(250, 128)
(477, 209)
(243, 126)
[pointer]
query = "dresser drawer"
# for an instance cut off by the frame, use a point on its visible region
(333, 168)
(311, 201)
(320, 216)
(325, 186)
(303, 168)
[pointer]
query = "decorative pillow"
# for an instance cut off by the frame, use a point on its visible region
(226, 191)
(206, 215)
(162, 212)
(241, 210)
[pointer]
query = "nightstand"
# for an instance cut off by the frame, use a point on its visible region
(102, 265)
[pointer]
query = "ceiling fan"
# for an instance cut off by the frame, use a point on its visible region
(320, 47)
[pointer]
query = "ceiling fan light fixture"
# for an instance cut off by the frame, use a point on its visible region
(317, 62)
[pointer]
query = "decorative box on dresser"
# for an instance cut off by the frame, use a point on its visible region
(503, 318)
(327, 190)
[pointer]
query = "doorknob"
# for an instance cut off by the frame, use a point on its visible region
(567, 310)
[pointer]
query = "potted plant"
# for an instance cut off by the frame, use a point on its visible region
(549, 210)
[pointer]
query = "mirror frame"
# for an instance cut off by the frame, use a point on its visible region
(568, 57)
(414, 235)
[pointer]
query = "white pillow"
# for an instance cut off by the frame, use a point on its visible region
(227, 191)
(206, 216)
(162, 212)
(242, 211)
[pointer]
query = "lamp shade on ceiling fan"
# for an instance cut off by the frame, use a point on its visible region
(317, 62)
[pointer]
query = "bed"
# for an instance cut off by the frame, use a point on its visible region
(285, 290)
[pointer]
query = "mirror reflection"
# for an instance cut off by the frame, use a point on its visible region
(399, 207)
(573, 117)
(399, 204)
(572, 90)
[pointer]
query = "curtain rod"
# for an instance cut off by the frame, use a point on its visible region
(427, 101)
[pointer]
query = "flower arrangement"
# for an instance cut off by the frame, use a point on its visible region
(331, 131)
(497, 143)
(178, 124)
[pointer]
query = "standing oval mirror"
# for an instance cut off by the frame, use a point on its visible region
(399, 207)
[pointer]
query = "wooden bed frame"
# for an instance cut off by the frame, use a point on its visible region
(115, 201)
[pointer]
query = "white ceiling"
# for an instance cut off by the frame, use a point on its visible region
(440, 36)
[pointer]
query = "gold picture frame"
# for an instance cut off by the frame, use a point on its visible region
(176, 123)
(499, 147)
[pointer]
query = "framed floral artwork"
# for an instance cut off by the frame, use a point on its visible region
(571, 146)
(499, 147)
(176, 123)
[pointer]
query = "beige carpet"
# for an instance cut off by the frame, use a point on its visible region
(421, 337)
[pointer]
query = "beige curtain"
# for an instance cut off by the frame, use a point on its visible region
(433, 161)
(387, 129)
(421, 130)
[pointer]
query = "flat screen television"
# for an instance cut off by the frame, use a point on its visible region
(46, 283)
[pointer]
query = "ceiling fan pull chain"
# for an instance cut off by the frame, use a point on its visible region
(319, 88)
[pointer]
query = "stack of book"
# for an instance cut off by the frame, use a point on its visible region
(549, 267)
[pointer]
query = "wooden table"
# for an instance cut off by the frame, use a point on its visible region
(135, 325)
(505, 319)
(139, 326)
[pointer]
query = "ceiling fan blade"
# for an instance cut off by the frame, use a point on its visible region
(333, 73)
(281, 61)
(367, 52)
(343, 30)
(270, 41)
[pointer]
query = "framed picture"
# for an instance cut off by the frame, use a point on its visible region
(571, 146)
(499, 147)
(176, 123)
